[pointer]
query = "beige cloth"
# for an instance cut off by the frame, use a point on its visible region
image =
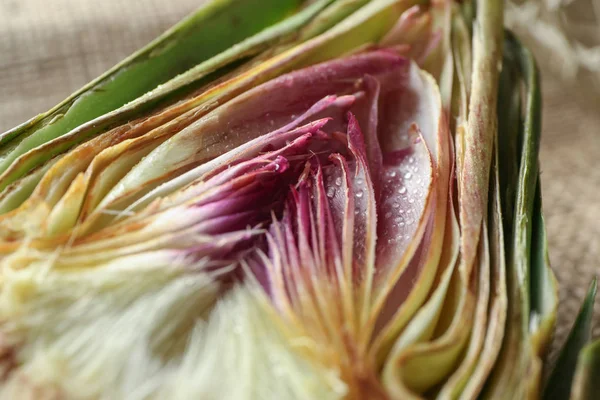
(48, 49)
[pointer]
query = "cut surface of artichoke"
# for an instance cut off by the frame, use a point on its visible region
(329, 203)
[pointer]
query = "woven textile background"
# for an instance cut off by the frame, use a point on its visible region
(48, 49)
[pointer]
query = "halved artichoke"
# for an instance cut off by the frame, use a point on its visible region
(286, 200)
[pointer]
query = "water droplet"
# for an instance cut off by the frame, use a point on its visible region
(359, 181)
(406, 237)
(392, 174)
(330, 192)
(388, 214)
(401, 224)
(396, 205)
(411, 159)
(411, 201)
(398, 219)
(359, 194)
(338, 181)
(407, 175)
(402, 190)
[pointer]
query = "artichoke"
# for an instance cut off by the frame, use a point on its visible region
(287, 199)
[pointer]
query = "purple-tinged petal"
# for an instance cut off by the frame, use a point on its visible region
(260, 110)
(408, 179)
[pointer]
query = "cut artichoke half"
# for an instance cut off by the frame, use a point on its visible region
(330, 199)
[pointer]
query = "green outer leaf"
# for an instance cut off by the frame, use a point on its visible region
(277, 34)
(586, 385)
(537, 284)
(526, 249)
(530, 251)
(559, 383)
(509, 118)
(183, 46)
(528, 169)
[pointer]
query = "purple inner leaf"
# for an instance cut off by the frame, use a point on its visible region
(322, 194)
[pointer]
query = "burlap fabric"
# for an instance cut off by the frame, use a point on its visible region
(48, 49)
